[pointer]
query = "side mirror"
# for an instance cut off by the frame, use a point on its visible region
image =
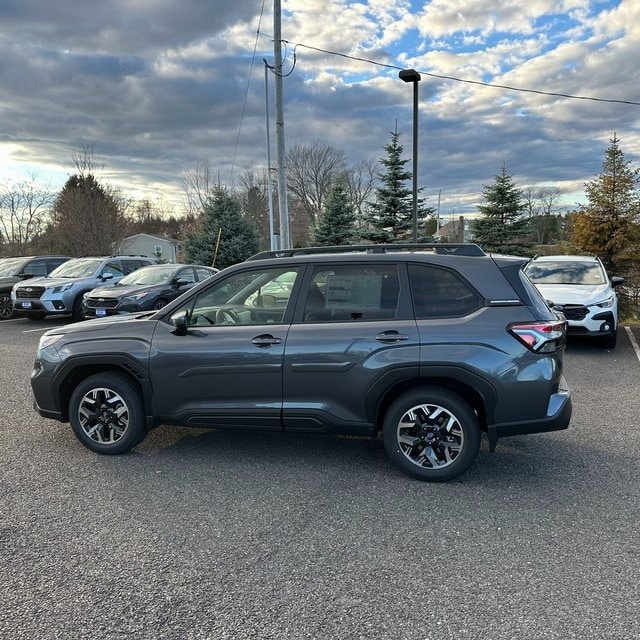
(26, 276)
(107, 275)
(180, 321)
(180, 282)
(616, 280)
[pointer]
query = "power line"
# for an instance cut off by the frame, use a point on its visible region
(246, 94)
(453, 78)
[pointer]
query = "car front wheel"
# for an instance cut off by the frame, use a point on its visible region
(431, 434)
(106, 413)
(6, 306)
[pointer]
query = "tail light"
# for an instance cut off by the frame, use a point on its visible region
(541, 337)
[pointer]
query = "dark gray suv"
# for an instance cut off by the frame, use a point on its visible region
(427, 345)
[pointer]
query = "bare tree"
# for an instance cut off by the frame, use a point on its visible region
(541, 207)
(199, 185)
(361, 181)
(312, 170)
(255, 203)
(84, 161)
(88, 218)
(24, 208)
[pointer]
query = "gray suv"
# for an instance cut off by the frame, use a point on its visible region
(426, 345)
(62, 290)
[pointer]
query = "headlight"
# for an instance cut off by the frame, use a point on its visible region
(62, 287)
(137, 296)
(48, 340)
(605, 304)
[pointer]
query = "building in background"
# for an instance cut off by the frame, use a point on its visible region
(163, 249)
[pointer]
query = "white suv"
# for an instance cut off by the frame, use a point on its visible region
(579, 287)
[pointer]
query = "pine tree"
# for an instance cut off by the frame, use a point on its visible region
(606, 225)
(221, 218)
(336, 224)
(391, 216)
(503, 227)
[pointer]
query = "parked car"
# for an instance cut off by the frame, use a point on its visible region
(429, 345)
(147, 288)
(61, 291)
(580, 288)
(13, 270)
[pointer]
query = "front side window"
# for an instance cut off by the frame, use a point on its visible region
(352, 293)
(250, 297)
(36, 268)
(113, 268)
(439, 293)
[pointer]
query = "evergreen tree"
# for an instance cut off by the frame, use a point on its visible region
(336, 225)
(503, 227)
(607, 224)
(221, 225)
(390, 217)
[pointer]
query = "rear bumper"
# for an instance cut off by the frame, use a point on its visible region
(558, 418)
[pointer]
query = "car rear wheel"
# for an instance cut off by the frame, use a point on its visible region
(431, 434)
(106, 413)
(6, 306)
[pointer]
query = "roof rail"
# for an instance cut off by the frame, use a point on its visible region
(442, 248)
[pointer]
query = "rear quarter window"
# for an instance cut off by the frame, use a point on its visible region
(440, 293)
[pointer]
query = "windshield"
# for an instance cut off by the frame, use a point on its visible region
(149, 275)
(80, 268)
(11, 267)
(563, 272)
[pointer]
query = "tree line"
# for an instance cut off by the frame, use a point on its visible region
(330, 203)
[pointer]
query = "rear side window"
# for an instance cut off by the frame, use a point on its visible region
(440, 293)
(352, 292)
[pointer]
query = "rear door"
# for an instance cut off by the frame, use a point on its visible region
(353, 337)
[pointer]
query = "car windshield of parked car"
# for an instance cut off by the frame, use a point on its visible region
(588, 273)
(10, 267)
(149, 276)
(81, 268)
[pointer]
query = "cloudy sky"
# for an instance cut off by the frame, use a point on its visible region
(156, 86)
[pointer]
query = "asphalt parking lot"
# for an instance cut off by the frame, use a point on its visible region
(214, 534)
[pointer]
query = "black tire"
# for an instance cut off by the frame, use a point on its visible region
(6, 306)
(106, 413)
(609, 342)
(76, 311)
(431, 434)
(159, 303)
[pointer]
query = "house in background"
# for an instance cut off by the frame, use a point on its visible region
(163, 249)
(454, 231)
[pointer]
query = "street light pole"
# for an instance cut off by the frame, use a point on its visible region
(411, 75)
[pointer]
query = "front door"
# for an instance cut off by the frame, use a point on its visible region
(227, 370)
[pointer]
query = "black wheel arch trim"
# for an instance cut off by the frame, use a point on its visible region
(447, 376)
(104, 362)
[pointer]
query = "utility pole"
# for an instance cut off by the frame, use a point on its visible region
(273, 244)
(285, 237)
